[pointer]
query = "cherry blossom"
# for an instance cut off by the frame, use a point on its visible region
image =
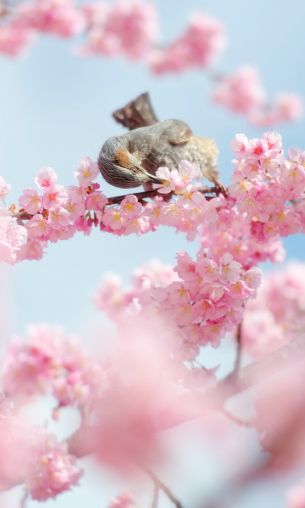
(15, 40)
(57, 17)
(125, 27)
(296, 497)
(4, 188)
(275, 317)
(198, 47)
(124, 500)
(154, 373)
(242, 92)
(52, 470)
(130, 28)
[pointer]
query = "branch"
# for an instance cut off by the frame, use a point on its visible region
(209, 192)
(159, 485)
(155, 498)
(214, 191)
(237, 363)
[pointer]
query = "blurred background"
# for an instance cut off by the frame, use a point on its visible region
(56, 108)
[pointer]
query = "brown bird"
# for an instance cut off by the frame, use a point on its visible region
(132, 159)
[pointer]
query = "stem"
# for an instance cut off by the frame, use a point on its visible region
(24, 499)
(214, 191)
(155, 192)
(155, 498)
(238, 357)
(236, 419)
(159, 485)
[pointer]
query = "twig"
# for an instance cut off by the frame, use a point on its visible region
(211, 192)
(24, 499)
(236, 419)
(238, 357)
(159, 485)
(155, 498)
(155, 192)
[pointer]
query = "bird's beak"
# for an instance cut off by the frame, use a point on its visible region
(155, 179)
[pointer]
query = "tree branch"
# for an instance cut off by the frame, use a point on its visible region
(210, 192)
(159, 485)
(238, 357)
(155, 498)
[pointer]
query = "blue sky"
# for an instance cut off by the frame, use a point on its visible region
(56, 108)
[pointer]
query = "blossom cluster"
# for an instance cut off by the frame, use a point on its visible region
(276, 316)
(29, 454)
(267, 187)
(189, 306)
(202, 41)
(48, 361)
(121, 28)
(126, 430)
(200, 300)
(242, 92)
(54, 212)
(265, 202)
(130, 28)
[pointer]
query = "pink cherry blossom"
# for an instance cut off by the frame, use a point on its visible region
(296, 497)
(289, 107)
(130, 207)
(38, 227)
(46, 178)
(268, 320)
(54, 197)
(76, 202)
(48, 360)
(12, 238)
(4, 188)
(126, 27)
(279, 418)
(241, 91)
(52, 469)
(200, 45)
(114, 219)
(31, 201)
(14, 40)
(125, 500)
(171, 180)
(96, 200)
(58, 17)
(58, 217)
(86, 172)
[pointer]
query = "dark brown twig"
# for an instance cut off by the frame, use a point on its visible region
(161, 486)
(214, 191)
(210, 192)
(238, 357)
(24, 499)
(155, 498)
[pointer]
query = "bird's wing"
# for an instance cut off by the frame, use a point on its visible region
(137, 113)
(178, 133)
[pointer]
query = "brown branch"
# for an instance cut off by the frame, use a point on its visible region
(161, 486)
(238, 357)
(24, 499)
(155, 192)
(155, 499)
(210, 192)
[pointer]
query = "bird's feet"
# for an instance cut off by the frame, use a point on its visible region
(220, 188)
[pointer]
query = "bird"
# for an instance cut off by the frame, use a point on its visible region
(132, 159)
